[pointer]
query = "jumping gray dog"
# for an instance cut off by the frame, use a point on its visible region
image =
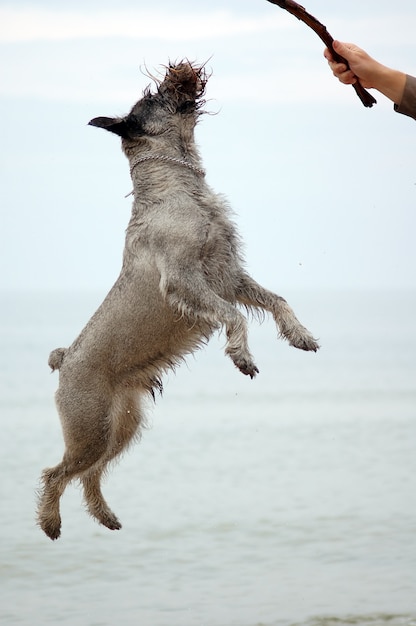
(181, 279)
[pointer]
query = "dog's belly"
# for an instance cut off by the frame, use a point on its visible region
(133, 330)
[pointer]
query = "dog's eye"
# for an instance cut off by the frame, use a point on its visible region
(135, 127)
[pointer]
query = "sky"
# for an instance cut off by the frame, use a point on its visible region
(323, 190)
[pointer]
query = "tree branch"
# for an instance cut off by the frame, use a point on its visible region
(298, 11)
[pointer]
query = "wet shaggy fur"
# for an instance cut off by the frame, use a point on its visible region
(182, 278)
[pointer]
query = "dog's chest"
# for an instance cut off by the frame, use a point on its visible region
(220, 257)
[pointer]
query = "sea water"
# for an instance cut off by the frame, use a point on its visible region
(289, 499)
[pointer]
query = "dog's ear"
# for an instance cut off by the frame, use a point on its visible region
(115, 125)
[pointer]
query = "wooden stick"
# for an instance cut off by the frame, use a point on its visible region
(298, 11)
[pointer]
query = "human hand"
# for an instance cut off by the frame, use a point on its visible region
(362, 67)
(369, 72)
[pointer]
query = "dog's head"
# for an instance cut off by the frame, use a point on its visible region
(178, 95)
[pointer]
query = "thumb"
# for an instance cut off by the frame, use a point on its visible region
(340, 47)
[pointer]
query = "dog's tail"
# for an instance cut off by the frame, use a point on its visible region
(56, 358)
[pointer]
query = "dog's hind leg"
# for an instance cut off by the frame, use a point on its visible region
(96, 505)
(87, 435)
(251, 294)
(55, 480)
(125, 420)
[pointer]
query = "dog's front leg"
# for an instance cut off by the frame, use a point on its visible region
(187, 292)
(251, 294)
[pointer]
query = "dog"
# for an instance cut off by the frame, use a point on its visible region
(182, 279)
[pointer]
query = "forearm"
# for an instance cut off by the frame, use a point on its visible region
(389, 82)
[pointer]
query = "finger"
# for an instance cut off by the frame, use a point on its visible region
(328, 55)
(338, 68)
(347, 78)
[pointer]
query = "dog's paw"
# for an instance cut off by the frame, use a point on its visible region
(304, 341)
(308, 343)
(110, 521)
(248, 368)
(51, 527)
(114, 524)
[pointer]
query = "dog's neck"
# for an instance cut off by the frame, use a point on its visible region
(160, 157)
